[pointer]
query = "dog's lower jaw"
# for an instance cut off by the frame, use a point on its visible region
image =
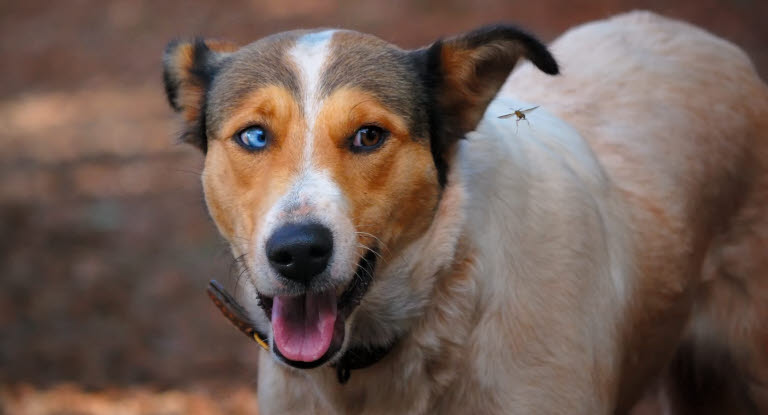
(422, 364)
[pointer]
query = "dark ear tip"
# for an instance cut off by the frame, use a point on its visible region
(546, 62)
(538, 54)
(171, 46)
(171, 77)
(536, 51)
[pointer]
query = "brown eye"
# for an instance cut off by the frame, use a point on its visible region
(368, 138)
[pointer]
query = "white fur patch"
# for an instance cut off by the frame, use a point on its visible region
(310, 54)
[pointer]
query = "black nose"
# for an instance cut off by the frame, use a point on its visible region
(300, 251)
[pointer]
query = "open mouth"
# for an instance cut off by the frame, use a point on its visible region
(308, 329)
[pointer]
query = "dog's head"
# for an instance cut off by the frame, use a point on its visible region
(327, 151)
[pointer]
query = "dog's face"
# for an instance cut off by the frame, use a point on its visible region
(326, 153)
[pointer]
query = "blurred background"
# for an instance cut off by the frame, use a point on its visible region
(105, 244)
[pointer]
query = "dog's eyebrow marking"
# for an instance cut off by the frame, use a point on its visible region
(310, 54)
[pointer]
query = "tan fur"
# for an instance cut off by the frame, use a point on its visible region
(568, 262)
(683, 134)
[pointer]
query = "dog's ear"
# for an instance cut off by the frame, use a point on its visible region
(464, 73)
(188, 69)
(469, 69)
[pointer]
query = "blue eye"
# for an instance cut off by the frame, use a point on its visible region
(252, 138)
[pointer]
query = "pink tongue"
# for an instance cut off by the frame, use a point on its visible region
(303, 326)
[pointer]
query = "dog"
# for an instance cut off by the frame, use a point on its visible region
(408, 249)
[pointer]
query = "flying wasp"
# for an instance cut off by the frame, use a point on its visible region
(520, 114)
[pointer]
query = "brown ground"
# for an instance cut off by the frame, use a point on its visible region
(105, 246)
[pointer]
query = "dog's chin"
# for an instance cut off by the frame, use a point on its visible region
(308, 330)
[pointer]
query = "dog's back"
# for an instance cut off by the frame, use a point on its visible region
(679, 120)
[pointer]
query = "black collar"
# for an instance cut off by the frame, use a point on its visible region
(358, 358)
(353, 359)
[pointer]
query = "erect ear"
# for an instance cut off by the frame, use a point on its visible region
(188, 69)
(469, 69)
(464, 73)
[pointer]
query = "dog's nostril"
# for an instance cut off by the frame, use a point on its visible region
(300, 251)
(282, 258)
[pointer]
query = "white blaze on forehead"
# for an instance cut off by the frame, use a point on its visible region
(310, 54)
(313, 195)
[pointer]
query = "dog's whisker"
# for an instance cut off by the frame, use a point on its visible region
(368, 249)
(381, 243)
(373, 251)
(240, 263)
(239, 278)
(235, 262)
